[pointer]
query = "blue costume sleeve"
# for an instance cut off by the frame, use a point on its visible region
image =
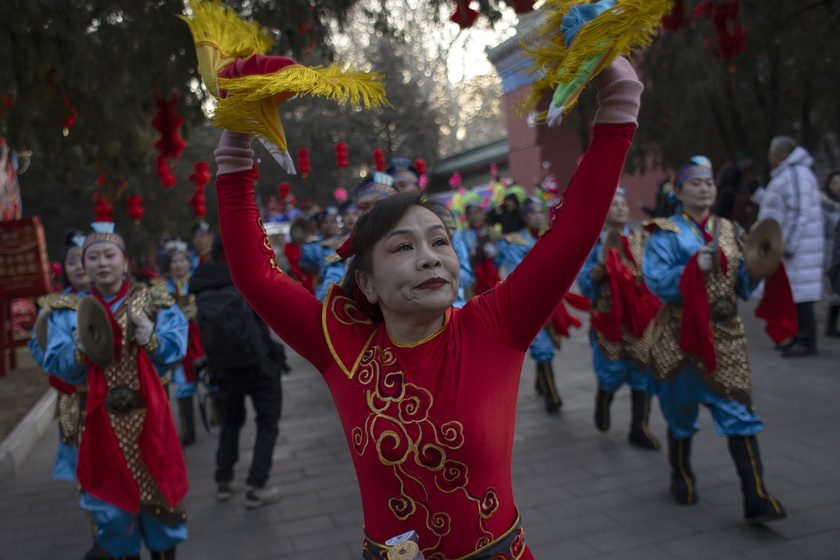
(466, 276)
(746, 285)
(59, 358)
(171, 328)
(36, 351)
(310, 255)
(330, 273)
(663, 266)
(587, 286)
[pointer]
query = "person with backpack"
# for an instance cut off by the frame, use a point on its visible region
(246, 362)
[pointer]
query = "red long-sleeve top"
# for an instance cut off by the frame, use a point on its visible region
(430, 425)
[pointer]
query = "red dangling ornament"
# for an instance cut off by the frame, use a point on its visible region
(674, 20)
(170, 144)
(379, 160)
(135, 208)
(200, 177)
(463, 15)
(303, 162)
(341, 155)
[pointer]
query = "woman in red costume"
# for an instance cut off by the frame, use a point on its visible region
(427, 405)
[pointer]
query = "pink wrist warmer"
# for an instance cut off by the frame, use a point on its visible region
(234, 153)
(619, 93)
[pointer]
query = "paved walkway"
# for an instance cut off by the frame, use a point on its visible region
(582, 494)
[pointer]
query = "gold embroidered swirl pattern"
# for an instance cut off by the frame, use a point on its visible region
(408, 440)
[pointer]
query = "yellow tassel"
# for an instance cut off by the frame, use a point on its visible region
(214, 23)
(331, 83)
(628, 26)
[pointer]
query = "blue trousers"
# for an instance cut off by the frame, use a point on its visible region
(680, 400)
(542, 349)
(612, 375)
(183, 388)
(121, 533)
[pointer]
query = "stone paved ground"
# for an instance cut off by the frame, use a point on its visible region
(582, 494)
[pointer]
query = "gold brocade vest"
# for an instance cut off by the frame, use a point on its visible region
(731, 379)
(630, 346)
(122, 374)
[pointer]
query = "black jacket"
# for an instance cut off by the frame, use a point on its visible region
(212, 276)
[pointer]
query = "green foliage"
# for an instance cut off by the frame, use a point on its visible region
(782, 84)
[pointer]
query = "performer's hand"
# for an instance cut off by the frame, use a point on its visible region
(705, 257)
(143, 328)
(77, 340)
(619, 93)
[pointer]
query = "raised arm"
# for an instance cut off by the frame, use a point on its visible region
(291, 311)
(532, 292)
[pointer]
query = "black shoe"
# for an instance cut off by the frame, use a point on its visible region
(639, 434)
(682, 477)
(759, 506)
(602, 409)
(798, 350)
(224, 492)
(785, 344)
(545, 380)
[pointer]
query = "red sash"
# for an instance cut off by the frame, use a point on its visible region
(777, 307)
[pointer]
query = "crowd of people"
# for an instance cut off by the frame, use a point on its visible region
(419, 323)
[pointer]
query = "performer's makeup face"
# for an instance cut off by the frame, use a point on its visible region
(619, 212)
(348, 219)
(697, 193)
(415, 269)
(475, 216)
(106, 264)
(179, 266)
(533, 216)
(74, 269)
(366, 201)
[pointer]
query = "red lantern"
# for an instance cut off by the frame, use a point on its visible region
(379, 160)
(103, 211)
(284, 189)
(303, 162)
(341, 154)
(200, 177)
(523, 6)
(135, 208)
(464, 16)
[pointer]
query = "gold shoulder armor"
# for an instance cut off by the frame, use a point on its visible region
(666, 224)
(149, 300)
(59, 301)
(515, 238)
(157, 283)
(332, 258)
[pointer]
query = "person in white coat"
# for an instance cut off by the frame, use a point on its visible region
(792, 197)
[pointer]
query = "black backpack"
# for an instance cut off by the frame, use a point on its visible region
(232, 333)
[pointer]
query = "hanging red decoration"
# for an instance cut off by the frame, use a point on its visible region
(170, 144)
(103, 211)
(341, 155)
(673, 21)
(731, 41)
(201, 176)
(464, 16)
(420, 166)
(523, 6)
(135, 208)
(303, 162)
(379, 160)
(284, 189)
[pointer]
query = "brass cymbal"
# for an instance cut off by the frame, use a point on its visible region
(95, 331)
(763, 249)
